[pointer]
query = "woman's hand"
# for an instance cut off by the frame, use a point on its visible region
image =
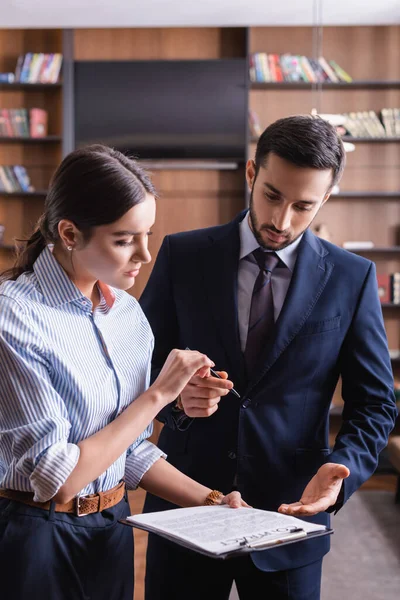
(178, 369)
(234, 500)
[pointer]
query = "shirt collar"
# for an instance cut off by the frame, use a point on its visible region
(57, 287)
(248, 244)
(107, 294)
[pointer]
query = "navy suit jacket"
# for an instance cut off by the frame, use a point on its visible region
(275, 437)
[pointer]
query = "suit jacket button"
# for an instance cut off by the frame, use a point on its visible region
(231, 455)
(246, 403)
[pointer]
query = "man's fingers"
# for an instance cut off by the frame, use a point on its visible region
(297, 508)
(222, 374)
(341, 472)
(201, 412)
(211, 382)
(198, 393)
(334, 471)
(201, 403)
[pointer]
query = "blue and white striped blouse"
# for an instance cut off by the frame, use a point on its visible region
(65, 373)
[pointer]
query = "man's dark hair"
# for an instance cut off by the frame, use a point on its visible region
(305, 141)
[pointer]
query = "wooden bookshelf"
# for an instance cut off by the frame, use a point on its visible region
(19, 211)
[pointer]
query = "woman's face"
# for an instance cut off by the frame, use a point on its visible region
(116, 252)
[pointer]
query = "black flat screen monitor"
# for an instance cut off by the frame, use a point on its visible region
(163, 109)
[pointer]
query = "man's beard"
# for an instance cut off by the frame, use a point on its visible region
(257, 231)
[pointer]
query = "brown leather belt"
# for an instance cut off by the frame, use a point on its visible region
(79, 506)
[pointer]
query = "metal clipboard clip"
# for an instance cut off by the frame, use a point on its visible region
(274, 540)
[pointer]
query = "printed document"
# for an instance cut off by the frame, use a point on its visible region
(220, 530)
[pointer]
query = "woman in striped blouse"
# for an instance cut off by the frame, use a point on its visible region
(75, 403)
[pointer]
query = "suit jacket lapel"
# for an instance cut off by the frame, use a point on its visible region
(220, 269)
(310, 276)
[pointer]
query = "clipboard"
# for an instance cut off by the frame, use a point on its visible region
(296, 531)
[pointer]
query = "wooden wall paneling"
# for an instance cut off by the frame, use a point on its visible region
(191, 200)
(366, 52)
(278, 40)
(13, 216)
(348, 100)
(32, 209)
(373, 220)
(159, 43)
(271, 104)
(373, 166)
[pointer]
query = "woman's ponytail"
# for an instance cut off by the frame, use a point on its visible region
(27, 253)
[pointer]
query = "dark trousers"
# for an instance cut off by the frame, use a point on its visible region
(174, 573)
(46, 555)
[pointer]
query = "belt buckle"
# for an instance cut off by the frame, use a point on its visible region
(78, 511)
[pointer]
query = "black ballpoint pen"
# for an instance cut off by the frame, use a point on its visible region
(215, 374)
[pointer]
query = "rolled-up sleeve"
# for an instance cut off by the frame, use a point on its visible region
(138, 462)
(34, 423)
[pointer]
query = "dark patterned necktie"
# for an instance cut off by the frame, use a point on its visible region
(261, 319)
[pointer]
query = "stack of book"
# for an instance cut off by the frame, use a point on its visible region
(21, 122)
(391, 121)
(389, 287)
(368, 124)
(364, 124)
(15, 179)
(37, 67)
(295, 68)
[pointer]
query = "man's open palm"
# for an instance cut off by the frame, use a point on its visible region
(320, 493)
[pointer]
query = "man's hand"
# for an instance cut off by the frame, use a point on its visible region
(320, 493)
(201, 396)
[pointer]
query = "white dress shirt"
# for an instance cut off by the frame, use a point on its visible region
(247, 275)
(66, 372)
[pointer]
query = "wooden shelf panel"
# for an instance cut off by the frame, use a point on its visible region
(389, 305)
(349, 138)
(190, 165)
(366, 195)
(35, 194)
(29, 86)
(377, 250)
(362, 140)
(31, 140)
(305, 85)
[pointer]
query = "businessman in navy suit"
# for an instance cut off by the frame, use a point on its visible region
(325, 322)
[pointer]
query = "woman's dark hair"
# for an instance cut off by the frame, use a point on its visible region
(93, 186)
(305, 141)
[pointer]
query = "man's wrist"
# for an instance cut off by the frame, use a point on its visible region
(178, 403)
(178, 406)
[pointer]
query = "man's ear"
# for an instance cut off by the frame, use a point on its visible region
(250, 173)
(326, 197)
